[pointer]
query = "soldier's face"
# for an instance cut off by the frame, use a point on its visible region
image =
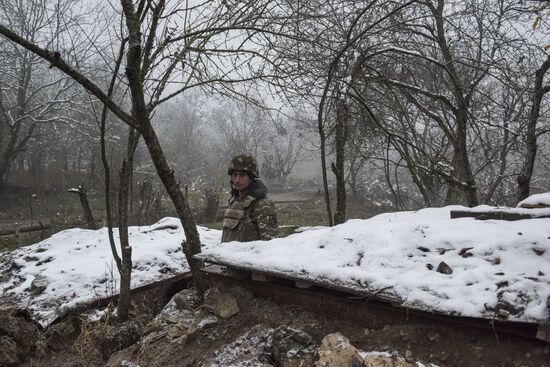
(241, 180)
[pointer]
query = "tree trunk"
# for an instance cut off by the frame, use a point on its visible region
(191, 245)
(126, 173)
(88, 216)
(342, 113)
(463, 187)
(524, 177)
(106, 167)
(141, 118)
(125, 249)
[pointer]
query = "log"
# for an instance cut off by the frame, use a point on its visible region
(22, 229)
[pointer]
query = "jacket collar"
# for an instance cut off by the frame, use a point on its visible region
(256, 190)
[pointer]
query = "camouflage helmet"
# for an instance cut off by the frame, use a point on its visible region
(244, 162)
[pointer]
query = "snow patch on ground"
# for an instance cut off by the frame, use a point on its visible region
(76, 266)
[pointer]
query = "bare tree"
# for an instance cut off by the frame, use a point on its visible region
(171, 50)
(29, 97)
(540, 88)
(242, 127)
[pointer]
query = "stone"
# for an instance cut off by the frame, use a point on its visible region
(385, 360)
(179, 320)
(221, 303)
(444, 268)
(336, 350)
(38, 285)
(250, 349)
(292, 347)
(186, 328)
(187, 299)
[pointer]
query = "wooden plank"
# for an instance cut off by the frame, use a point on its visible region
(101, 302)
(259, 277)
(302, 285)
(495, 214)
(543, 332)
(358, 292)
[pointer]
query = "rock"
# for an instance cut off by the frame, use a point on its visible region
(38, 285)
(384, 360)
(335, 350)
(187, 299)
(465, 252)
(444, 268)
(250, 350)
(292, 348)
(188, 326)
(179, 319)
(220, 303)
(116, 337)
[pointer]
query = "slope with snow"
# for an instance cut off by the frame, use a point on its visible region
(76, 266)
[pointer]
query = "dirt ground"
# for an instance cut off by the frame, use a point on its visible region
(75, 342)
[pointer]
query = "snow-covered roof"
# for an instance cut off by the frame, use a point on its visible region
(536, 200)
(499, 268)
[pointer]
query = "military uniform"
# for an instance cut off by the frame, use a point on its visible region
(252, 217)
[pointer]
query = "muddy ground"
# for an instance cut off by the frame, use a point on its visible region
(74, 341)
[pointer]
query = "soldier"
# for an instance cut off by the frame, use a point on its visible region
(251, 215)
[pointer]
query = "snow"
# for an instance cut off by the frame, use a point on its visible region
(536, 200)
(499, 268)
(531, 212)
(505, 274)
(76, 266)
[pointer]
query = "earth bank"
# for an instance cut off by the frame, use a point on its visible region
(238, 328)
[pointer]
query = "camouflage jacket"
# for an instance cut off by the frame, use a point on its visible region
(251, 218)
